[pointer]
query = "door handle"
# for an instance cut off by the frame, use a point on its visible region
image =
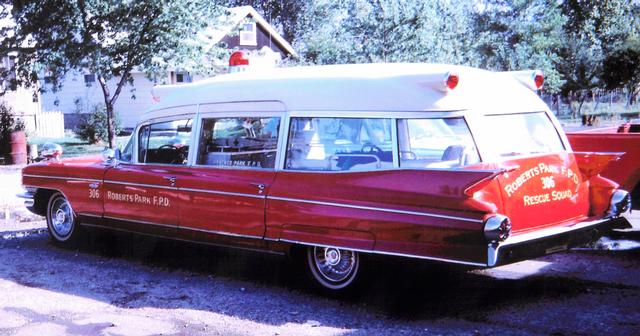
(171, 179)
(260, 187)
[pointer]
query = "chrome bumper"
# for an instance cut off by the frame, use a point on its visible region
(28, 198)
(547, 241)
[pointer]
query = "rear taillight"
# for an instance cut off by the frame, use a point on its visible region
(620, 203)
(497, 228)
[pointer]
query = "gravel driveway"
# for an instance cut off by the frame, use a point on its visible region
(115, 284)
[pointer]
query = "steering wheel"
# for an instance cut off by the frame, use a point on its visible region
(370, 148)
(168, 147)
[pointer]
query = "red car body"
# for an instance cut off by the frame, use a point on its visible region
(464, 204)
(623, 139)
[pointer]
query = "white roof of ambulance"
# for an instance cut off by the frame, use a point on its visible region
(395, 87)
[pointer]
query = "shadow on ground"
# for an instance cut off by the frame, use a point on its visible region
(391, 287)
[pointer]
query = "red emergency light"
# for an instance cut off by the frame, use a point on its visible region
(238, 58)
(451, 80)
(538, 79)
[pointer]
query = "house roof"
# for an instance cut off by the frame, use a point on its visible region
(228, 23)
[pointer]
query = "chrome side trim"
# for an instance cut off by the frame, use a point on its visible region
(226, 193)
(141, 222)
(63, 178)
(140, 185)
(360, 207)
(598, 153)
(89, 215)
(390, 253)
(461, 169)
(220, 233)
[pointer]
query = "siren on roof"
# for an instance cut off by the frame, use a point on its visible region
(158, 92)
(238, 61)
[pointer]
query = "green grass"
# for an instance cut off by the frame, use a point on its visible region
(73, 147)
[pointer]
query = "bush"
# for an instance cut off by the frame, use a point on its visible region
(8, 124)
(93, 126)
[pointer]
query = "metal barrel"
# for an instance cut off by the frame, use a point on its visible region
(18, 148)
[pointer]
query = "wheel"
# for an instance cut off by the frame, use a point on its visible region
(333, 268)
(61, 220)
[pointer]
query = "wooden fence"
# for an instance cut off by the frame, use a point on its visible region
(49, 124)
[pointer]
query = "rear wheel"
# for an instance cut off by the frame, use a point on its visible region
(333, 268)
(61, 221)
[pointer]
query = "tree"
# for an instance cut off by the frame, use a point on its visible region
(359, 31)
(621, 69)
(593, 30)
(108, 38)
(521, 34)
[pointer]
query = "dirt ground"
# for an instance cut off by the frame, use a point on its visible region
(115, 284)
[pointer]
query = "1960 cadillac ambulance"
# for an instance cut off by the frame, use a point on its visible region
(437, 162)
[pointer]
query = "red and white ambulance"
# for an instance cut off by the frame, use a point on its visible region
(438, 162)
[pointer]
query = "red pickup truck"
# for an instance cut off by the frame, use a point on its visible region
(624, 138)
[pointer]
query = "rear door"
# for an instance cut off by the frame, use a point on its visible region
(544, 186)
(225, 192)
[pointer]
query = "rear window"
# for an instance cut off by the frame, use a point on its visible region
(338, 144)
(436, 143)
(523, 134)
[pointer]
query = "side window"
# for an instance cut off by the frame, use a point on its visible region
(127, 153)
(338, 144)
(239, 142)
(165, 143)
(436, 143)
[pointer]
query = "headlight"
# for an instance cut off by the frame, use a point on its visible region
(497, 228)
(620, 203)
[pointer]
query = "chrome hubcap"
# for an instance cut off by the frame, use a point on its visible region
(333, 264)
(332, 256)
(61, 217)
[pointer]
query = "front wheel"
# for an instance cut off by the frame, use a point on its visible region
(331, 267)
(61, 221)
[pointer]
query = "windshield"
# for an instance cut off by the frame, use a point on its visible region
(523, 134)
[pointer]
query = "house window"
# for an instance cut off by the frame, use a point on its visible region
(248, 35)
(183, 77)
(89, 79)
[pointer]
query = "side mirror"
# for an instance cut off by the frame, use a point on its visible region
(110, 156)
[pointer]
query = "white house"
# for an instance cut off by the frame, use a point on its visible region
(80, 92)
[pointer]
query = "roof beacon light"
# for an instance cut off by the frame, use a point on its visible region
(238, 61)
(451, 80)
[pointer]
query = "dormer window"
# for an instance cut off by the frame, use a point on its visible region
(248, 35)
(182, 77)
